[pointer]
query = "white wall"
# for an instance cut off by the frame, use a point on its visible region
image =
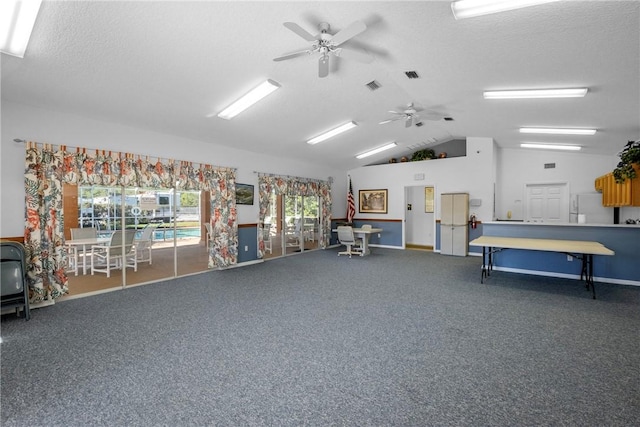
(472, 174)
(58, 128)
(517, 167)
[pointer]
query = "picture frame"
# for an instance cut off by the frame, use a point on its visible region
(373, 201)
(428, 199)
(244, 194)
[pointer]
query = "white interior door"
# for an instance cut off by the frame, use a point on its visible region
(547, 203)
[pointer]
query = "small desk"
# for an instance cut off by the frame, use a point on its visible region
(582, 250)
(77, 244)
(364, 234)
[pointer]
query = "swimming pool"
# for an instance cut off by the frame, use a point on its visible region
(181, 233)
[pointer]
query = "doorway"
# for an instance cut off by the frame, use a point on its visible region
(420, 221)
(292, 226)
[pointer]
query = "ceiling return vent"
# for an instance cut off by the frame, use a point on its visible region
(412, 74)
(373, 85)
(549, 165)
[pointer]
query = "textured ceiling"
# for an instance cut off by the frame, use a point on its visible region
(167, 66)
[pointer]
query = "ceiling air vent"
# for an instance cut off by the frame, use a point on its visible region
(373, 85)
(549, 165)
(412, 74)
(419, 124)
(448, 119)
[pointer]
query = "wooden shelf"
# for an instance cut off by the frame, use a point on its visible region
(618, 195)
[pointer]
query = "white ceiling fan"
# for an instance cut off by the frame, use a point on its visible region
(411, 117)
(327, 44)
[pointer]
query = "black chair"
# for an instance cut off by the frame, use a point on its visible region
(13, 284)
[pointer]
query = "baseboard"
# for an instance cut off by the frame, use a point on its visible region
(240, 264)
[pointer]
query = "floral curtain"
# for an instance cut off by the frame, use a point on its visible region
(44, 225)
(294, 186)
(46, 169)
(223, 251)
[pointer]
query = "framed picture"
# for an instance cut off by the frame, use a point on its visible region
(428, 199)
(244, 194)
(373, 201)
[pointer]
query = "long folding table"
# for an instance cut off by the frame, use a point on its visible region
(582, 250)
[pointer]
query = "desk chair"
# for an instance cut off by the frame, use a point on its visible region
(360, 240)
(347, 238)
(113, 255)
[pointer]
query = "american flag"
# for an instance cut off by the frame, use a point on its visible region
(351, 204)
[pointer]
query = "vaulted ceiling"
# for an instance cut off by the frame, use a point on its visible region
(171, 66)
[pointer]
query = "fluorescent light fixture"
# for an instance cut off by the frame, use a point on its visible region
(333, 132)
(249, 99)
(551, 146)
(376, 150)
(17, 18)
(535, 93)
(559, 131)
(470, 8)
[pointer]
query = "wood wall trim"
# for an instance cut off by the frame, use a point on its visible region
(368, 219)
(254, 225)
(19, 239)
(420, 247)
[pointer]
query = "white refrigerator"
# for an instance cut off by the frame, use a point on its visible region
(454, 224)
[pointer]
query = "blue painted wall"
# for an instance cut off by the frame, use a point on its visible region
(247, 236)
(624, 241)
(391, 234)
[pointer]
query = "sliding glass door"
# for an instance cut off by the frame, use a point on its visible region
(292, 225)
(141, 235)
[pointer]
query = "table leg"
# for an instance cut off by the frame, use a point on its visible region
(589, 275)
(365, 244)
(84, 260)
(483, 264)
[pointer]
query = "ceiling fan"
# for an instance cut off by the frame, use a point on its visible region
(410, 116)
(327, 44)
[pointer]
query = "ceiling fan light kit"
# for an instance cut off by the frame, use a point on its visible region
(333, 132)
(255, 95)
(559, 131)
(471, 8)
(410, 116)
(327, 44)
(535, 93)
(545, 146)
(376, 150)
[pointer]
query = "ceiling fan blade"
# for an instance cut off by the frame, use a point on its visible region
(323, 66)
(395, 119)
(345, 34)
(358, 55)
(293, 55)
(300, 31)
